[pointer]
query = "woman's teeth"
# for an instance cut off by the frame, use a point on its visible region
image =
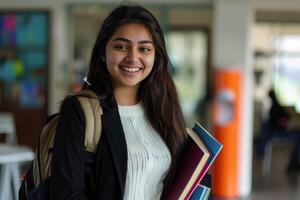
(131, 69)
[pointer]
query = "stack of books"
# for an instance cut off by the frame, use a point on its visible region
(202, 149)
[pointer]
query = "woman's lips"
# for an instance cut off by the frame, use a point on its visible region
(131, 69)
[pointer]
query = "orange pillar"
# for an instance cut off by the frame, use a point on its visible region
(226, 128)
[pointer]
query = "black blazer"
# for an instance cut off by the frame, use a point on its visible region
(105, 171)
(105, 174)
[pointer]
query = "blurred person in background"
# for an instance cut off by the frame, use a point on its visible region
(278, 125)
(278, 117)
(279, 122)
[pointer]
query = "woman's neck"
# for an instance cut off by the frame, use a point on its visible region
(126, 96)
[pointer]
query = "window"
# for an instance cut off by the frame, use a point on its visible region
(188, 54)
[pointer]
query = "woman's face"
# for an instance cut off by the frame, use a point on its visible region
(130, 55)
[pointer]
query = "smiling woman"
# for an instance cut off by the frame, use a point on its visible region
(143, 131)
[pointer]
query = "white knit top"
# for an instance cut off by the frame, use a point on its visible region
(149, 158)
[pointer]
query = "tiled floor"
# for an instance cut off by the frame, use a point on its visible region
(279, 185)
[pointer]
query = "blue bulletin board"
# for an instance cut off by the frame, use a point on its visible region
(24, 44)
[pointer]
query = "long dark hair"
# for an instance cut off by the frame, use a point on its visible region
(157, 92)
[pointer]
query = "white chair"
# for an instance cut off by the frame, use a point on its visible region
(11, 156)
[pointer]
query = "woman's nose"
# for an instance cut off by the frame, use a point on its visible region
(132, 56)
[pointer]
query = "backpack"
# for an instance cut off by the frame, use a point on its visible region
(35, 181)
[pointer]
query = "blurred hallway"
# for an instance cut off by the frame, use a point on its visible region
(258, 38)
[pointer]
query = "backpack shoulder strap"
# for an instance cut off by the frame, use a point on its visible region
(92, 111)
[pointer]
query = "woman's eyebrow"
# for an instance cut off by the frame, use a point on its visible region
(129, 41)
(122, 39)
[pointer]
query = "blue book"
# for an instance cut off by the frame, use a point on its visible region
(206, 196)
(213, 145)
(200, 193)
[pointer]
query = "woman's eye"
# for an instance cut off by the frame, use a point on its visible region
(121, 47)
(145, 49)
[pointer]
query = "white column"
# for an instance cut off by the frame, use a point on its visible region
(59, 70)
(231, 49)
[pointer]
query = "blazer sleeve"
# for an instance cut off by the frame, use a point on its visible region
(67, 170)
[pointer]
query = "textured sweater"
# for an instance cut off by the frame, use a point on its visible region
(149, 158)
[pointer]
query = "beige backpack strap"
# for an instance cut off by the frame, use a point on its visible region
(85, 93)
(92, 112)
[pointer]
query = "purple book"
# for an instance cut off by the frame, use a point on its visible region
(194, 161)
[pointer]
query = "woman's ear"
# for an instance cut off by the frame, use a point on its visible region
(103, 59)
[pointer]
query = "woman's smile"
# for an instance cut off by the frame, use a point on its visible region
(130, 69)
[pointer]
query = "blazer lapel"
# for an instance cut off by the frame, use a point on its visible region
(112, 128)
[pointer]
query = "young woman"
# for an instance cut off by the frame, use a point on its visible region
(143, 131)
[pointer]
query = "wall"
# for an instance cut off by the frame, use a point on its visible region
(59, 46)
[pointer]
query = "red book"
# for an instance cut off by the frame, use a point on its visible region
(194, 161)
